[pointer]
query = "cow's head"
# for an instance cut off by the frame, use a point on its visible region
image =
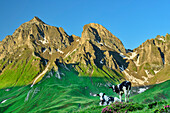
(101, 95)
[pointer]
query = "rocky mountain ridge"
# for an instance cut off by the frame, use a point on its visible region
(150, 61)
(35, 48)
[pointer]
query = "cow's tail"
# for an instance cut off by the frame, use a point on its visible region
(130, 86)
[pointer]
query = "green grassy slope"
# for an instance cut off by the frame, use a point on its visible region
(156, 92)
(54, 95)
(69, 94)
(21, 71)
(152, 100)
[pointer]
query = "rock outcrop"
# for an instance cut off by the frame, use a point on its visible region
(150, 61)
(97, 48)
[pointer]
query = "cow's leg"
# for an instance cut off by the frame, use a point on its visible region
(100, 103)
(128, 95)
(125, 91)
(120, 96)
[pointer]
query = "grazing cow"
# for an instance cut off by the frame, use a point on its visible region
(123, 88)
(105, 100)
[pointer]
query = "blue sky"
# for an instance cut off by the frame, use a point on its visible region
(132, 21)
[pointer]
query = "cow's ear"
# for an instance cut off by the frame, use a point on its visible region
(97, 95)
(110, 87)
(103, 93)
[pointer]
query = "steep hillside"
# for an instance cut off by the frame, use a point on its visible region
(156, 92)
(64, 91)
(31, 51)
(61, 91)
(149, 63)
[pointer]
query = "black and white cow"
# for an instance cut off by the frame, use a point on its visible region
(123, 88)
(106, 100)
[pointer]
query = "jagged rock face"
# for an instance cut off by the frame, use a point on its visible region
(38, 36)
(150, 54)
(150, 59)
(157, 50)
(97, 47)
(101, 36)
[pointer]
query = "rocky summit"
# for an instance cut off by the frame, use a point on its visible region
(36, 48)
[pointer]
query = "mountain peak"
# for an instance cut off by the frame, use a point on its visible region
(36, 19)
(94, 25)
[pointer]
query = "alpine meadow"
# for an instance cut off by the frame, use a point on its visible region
(45, 70)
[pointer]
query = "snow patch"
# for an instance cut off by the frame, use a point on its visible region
(36, 90)
(57, 75)
(28, 94)
(50, 52)
(107, 45)
(127, 69)
(147, 72)
(91, 94)
(145, 78)
(142, 89)
(137, 62)
(69, 53)
(161, 39)
(149, 75)
(130, 57)
(46, 69)
(4, 101)
(44, 41)
(44, 50)
(101, 61)
(133, 55)
(37, 43)
(66, 67)
(121, 54)
(156, 71)
(121, 68)
(101, 43)
(60, 51)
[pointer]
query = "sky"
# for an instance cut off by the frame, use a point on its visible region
(132, 21)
